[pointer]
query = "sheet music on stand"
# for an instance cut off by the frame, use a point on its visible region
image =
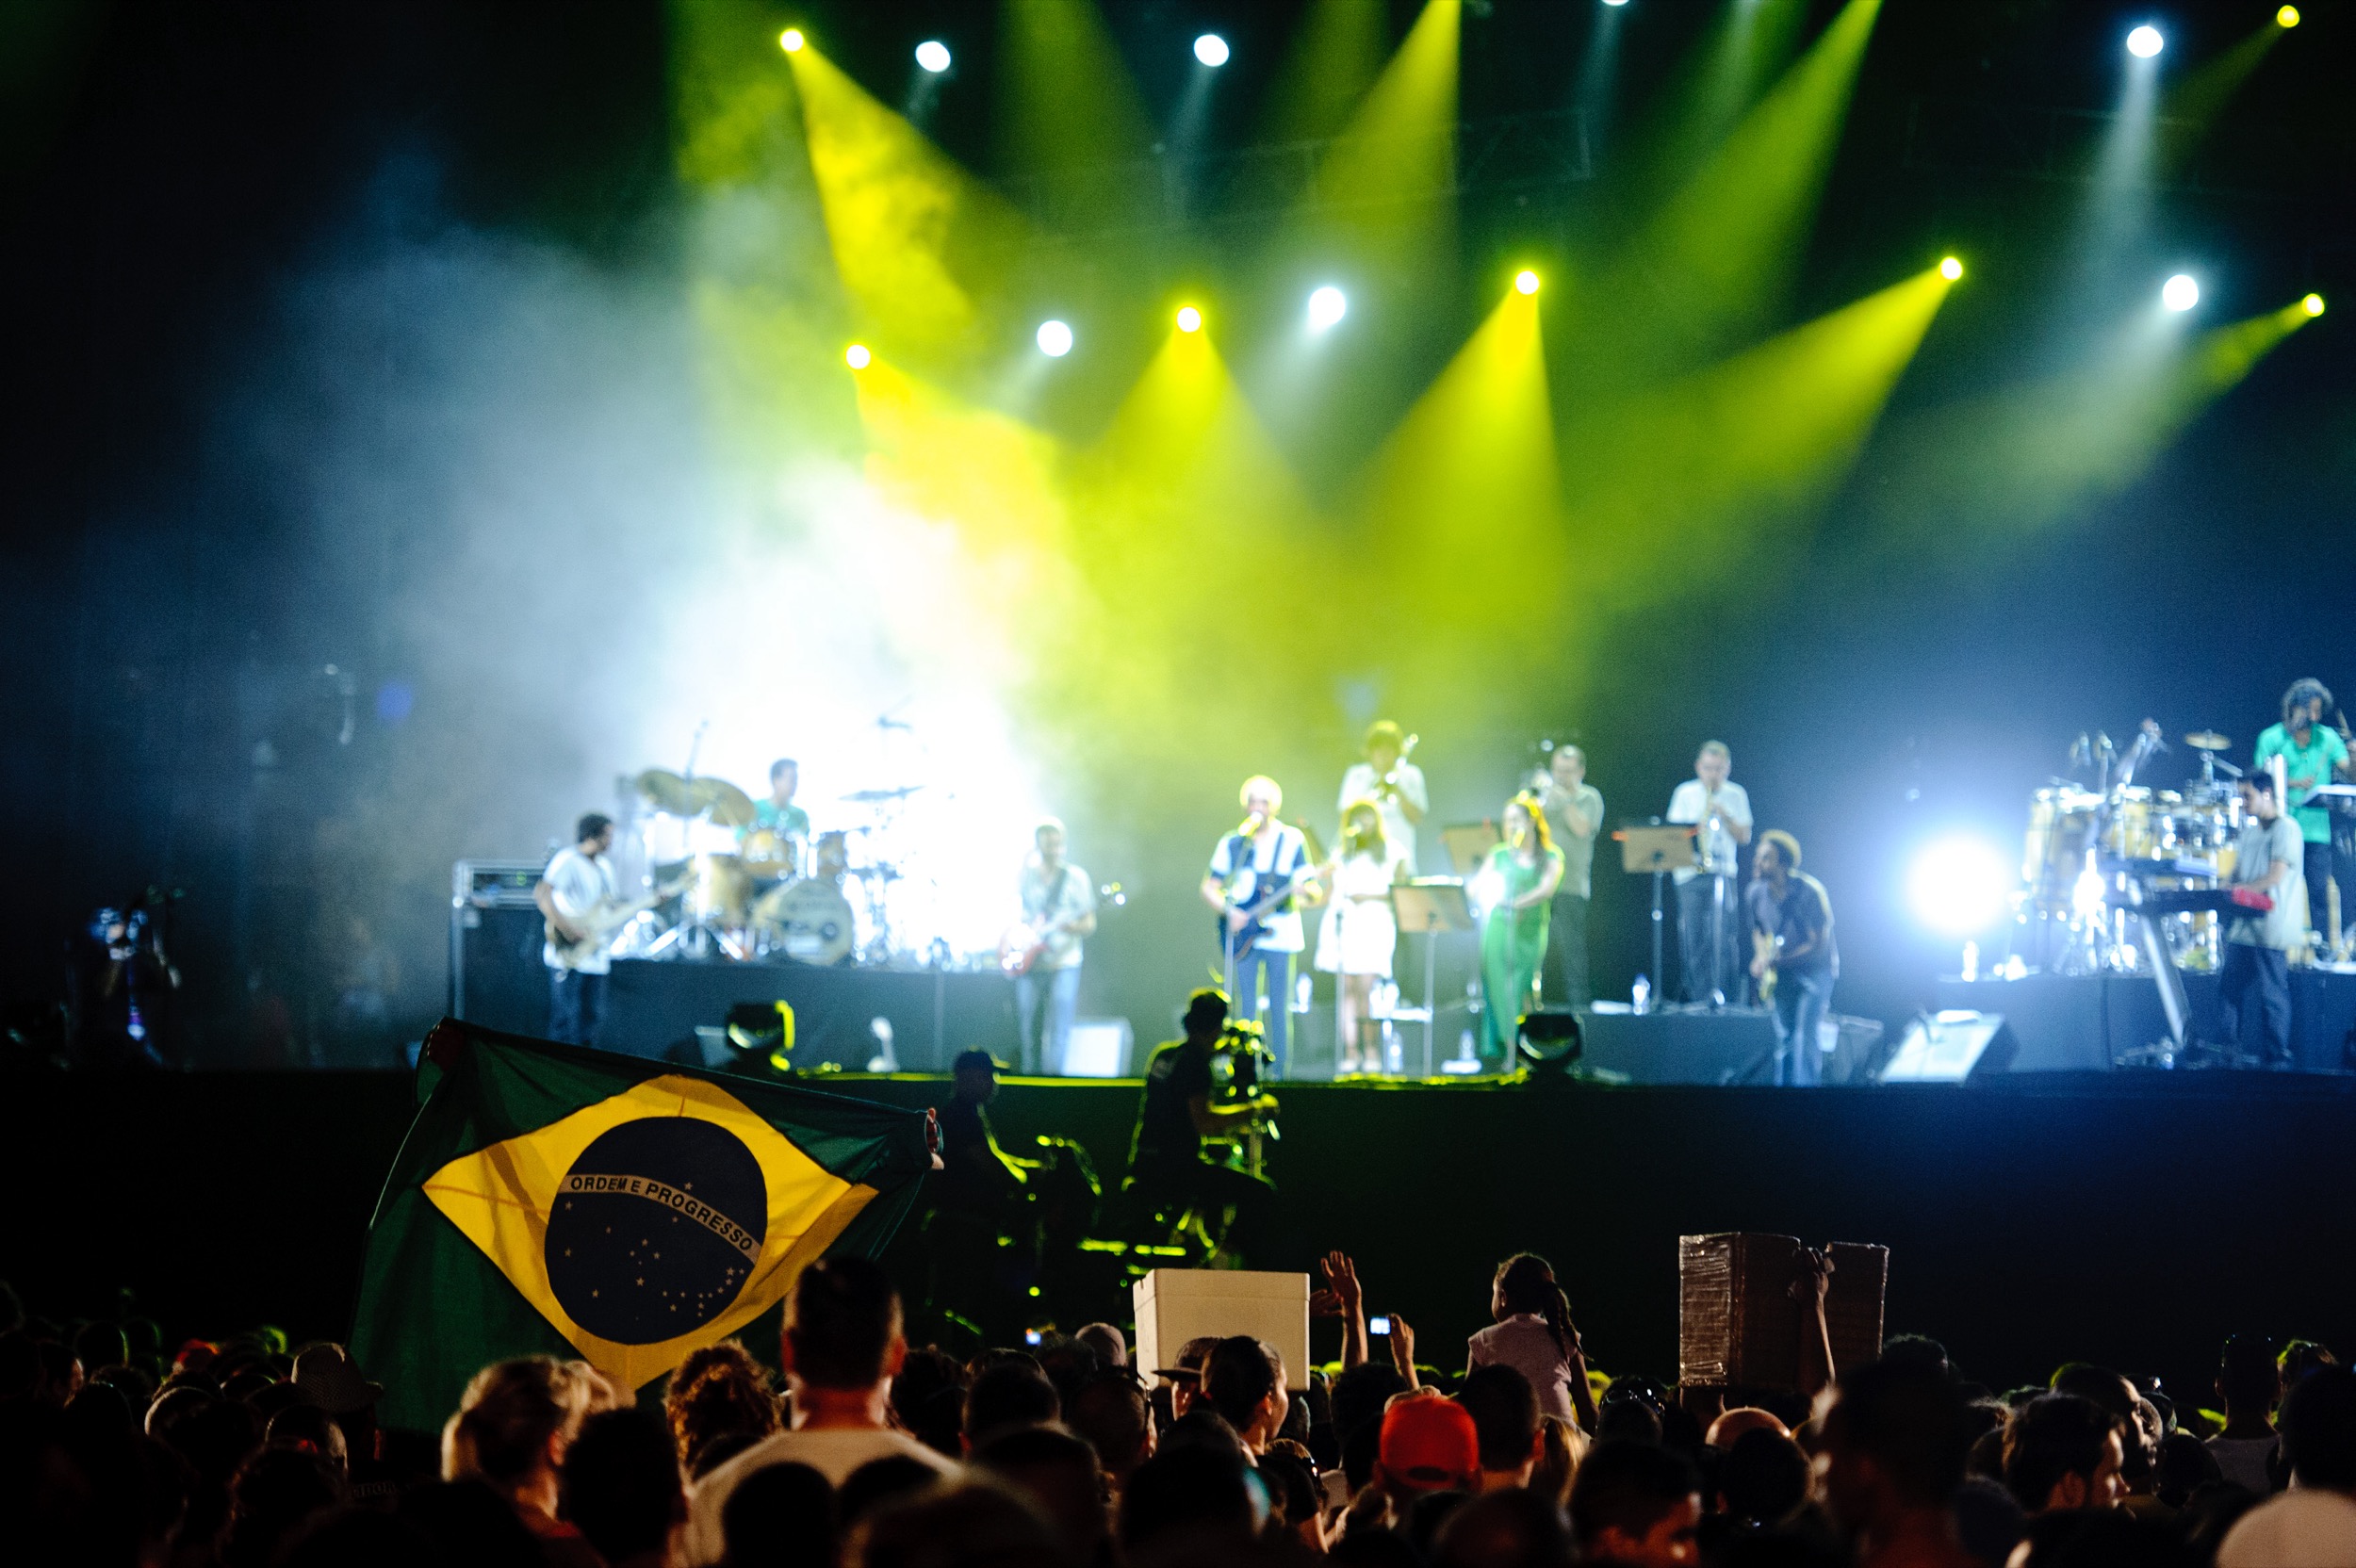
(1468, 845)
(1432, 906)
(1655, 849)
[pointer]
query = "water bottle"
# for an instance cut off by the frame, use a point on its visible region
(1971, 960)
(1303, 993)
(1640, 995)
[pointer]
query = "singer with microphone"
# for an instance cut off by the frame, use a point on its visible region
(1259, 875)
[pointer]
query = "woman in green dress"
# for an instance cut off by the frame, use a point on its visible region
(1524, 869)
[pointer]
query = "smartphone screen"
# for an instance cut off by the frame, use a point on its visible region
(1379, 1324)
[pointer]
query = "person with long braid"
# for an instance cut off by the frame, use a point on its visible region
(1534, 1335)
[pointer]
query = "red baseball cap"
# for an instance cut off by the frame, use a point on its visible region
(1430, 1443)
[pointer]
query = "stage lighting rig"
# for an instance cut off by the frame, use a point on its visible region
(2286, 17)
(1054, 339)
(2181, 292)
(857, 356)
(933, 56)
(792, 40)
(2145, 41)
(2312, 305)
(1327, 306)
(1526, 282)
(1189, 318)
(1951, 269)
(1211, 50)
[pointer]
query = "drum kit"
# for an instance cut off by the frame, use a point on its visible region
(752, 891)
(2085, 845)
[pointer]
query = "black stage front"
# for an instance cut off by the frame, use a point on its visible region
(2130, 1218)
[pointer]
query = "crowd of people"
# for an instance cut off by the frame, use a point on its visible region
(117, 1447)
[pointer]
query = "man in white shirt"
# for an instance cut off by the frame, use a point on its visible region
(842, 1346)
(1259, 875)
(1709, 919)
(573, 893)
(1393, 784)
(1059, 909)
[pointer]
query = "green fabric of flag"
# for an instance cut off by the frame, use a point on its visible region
(551, 1199)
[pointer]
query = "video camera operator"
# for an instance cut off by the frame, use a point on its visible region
(1183, 1105)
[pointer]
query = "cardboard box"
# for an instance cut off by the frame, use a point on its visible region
(1174, 1305)
(1738, 1325)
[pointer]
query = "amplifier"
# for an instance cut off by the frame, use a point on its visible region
(496, 884)
(496, 976)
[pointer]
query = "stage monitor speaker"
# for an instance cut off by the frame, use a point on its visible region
(1097, 1048)
(1726, 1045)
(495, 977)
(1951, 1047)
(1174, 1305)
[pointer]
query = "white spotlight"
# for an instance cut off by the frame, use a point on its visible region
(1958, 885)
(1615, 2)
(2180, 292)
(933, 56)
(1211, 50)
(1327, 305)
(2145, 41)
(1054, 339)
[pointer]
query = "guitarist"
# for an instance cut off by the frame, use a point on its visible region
(1058, 910)
(1258, 877)
(1795, 961)
(571, 893)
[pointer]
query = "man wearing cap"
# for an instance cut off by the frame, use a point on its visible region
(327, 1376)
(976, 1175)
(1429, 1444)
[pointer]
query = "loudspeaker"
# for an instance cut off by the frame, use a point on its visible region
(1951, 1047)
(1729, 1045)
(495, 977)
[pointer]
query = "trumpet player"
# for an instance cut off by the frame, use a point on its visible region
(1393, 784)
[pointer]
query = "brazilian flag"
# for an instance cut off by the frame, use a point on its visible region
(559, 1201)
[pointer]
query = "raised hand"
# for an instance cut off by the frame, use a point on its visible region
(1341, 1279)
(1404, 1349)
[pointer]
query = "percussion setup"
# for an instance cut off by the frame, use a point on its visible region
(2094, 855)
(751, 892)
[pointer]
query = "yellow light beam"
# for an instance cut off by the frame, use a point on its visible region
(1387, 185)
(920, 245)
(1732, 458)
(1064, 97)
(1713, 264)
(1335, 56)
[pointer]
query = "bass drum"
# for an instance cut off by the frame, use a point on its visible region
(808, 922)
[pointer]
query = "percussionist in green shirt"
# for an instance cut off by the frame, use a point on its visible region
(2313, 754)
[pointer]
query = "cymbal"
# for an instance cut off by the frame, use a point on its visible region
(678, 797)
(876, 797)
(667, 792)
(2207, 740)
(727, 805)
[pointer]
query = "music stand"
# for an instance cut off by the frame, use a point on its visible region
(1468, 845)
(1657, 849)
(1432, 904)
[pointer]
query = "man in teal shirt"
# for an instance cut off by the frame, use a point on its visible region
(2313, 755)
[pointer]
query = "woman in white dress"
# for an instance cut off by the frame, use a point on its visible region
(1359, 932)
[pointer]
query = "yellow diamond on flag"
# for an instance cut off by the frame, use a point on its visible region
(649, 1224)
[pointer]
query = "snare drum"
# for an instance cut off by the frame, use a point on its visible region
(719, 891)
(770, 855)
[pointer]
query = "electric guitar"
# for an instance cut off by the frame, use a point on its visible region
(1255, 900)
(1024, 944)
(1764, 947)
(598, 927)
